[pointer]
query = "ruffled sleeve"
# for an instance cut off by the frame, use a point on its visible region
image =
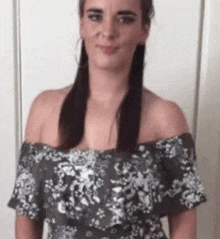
(182, 186)
(27, 196)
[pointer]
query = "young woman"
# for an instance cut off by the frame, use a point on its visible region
(107, 158)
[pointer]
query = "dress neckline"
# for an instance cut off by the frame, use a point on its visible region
(75, 149)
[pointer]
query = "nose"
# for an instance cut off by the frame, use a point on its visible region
(109, 29)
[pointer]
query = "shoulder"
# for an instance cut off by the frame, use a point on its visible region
(49, 98)
(166, 116)
(42, 106)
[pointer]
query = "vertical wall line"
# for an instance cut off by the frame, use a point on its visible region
(199, 67)
(17, 76)
(204, 151)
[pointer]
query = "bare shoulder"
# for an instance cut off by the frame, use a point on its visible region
(42, 107)
(166, 116)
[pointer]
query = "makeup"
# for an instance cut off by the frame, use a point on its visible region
(109, 49)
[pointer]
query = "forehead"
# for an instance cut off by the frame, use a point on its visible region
(113, 5)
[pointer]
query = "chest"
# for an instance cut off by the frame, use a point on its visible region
(101, 127)
(99, 187)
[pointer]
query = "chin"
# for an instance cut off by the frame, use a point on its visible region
(110, 67)
(110, 64)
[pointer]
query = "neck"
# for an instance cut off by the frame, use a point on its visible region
(106, 85)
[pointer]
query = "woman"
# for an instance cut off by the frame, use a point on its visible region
(107, 158)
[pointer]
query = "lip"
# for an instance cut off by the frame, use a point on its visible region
(109, 49)
(108, 46)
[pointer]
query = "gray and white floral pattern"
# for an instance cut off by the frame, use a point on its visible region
(107, 194)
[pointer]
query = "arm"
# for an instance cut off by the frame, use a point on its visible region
(183, 225)
(173, 122)
(25, 227)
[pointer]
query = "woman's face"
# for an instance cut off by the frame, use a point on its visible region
(111, 30)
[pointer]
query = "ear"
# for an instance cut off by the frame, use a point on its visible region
(144, 34)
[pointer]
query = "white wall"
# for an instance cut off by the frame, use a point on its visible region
(48, 47)
(172, 52)
(7, 119)
(208, 131)
(48, 36)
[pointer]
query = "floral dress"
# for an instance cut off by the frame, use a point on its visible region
(107, 194)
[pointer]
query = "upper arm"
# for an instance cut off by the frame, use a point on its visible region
(172, 122)
(24, 225)
(36, 117)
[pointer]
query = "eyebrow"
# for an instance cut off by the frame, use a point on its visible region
(94, 10)
(122, 12)
(127, 12)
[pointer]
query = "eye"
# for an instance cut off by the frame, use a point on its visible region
(95, 17)
(126, 20)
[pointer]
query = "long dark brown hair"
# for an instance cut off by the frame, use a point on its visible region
(72, 116)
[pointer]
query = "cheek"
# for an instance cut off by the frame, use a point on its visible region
(88, 29)
(89, 32)
(130, 36)
(130, 41)
(89, 39)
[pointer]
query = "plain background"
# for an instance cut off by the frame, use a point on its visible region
(37, 52)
